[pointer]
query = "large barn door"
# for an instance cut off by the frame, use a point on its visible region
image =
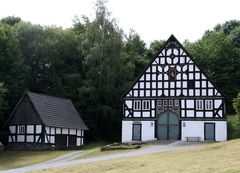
(60, 141)
(168, 126)
(209, 131)
(72, 141)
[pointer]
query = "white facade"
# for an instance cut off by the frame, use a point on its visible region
(147, 131)
(32, 134)
(173, 85)
(196, 129)
(190, 129)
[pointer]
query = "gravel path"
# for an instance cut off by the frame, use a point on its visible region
(70, 159)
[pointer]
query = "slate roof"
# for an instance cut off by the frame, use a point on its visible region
(56, 112)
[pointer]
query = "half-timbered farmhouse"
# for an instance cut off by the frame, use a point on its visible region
(41, 121)
(173, 100)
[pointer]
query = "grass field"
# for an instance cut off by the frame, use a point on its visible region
(15, 159)
(221, 157)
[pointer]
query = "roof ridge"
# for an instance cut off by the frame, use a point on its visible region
(45, 95)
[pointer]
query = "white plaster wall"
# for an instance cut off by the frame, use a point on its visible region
(30, 129)
(20, 138)
(78, 142)
(12, 129)
(221, 131)
(9, 139)
(58, 130)
(196, 129)
(64, 131)
(72, 131)
(38, 128)
(147, 131)
(30, 138)
(126, 131)
(148, 128)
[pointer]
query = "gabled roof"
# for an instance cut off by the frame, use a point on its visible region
(54, 111)
(171, 43)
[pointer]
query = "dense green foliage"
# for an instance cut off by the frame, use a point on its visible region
(236, 104)
(94, 62)
(218, 54)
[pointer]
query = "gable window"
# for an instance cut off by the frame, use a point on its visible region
(176, 102)
(146, 104)
(172, 73)
(208, 104)
(165, 102)
(21, 129)
(191, 84)
(199, 104)
(159, 102)
(137, 105)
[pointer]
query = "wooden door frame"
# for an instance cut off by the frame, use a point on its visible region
(133, 132)
(179, 125)
(214, 125)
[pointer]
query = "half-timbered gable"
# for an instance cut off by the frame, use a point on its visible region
(43, 121)
(173, 82)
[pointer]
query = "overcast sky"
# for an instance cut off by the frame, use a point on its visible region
(152, 19)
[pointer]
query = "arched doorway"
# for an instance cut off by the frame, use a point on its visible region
(168, 126)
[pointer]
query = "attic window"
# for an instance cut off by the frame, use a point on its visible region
(21, 129)
(172, 73)
(191, 84)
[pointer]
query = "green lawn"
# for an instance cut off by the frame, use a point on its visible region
(15, 159)
(221, 157)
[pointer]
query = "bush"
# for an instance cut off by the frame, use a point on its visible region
(233, 125)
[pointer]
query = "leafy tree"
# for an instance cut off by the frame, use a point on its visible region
(3, 104)
(154, 48)
(10, 20)
(218, 57)
(11, 66)
(101, 47)
(236, 104)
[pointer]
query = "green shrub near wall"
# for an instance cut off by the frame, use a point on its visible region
(233, 125)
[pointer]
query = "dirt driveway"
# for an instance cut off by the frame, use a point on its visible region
(71, 159)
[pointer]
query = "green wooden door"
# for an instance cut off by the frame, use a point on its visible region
(209, 130)
(168, 126)
(137, 128)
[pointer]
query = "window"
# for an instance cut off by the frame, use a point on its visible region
(199, 104)
(137, 105)
(165, 102)
(176, 102)
(170, 102)
(159, 103)
(191, 84)
(208, 104)
(172, 73)
(146, 105)
(21, 129)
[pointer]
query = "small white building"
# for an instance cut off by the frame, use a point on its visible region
(41, 122)
(173, 99)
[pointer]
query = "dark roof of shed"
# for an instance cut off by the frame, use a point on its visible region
(56, 112)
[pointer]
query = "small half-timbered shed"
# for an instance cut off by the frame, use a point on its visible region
(173, 99)
(41, 121)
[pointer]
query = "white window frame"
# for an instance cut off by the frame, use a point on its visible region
(21, 129)
(159, 103)
(165, 101)
(199, 104)
(146, 105)
(176, 102)
(137, 105)
(170, 103)
(208, 104)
